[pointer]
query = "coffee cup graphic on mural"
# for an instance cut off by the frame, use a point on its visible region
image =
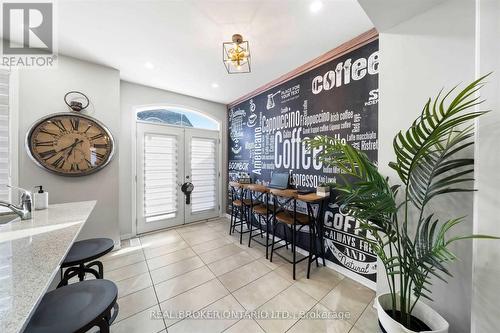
(236, 129)
(270, 100)
(252, 105)
(252, 118)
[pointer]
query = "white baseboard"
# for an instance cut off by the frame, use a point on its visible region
(126, 236)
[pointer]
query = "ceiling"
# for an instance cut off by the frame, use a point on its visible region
(387, 13)
(181, 41)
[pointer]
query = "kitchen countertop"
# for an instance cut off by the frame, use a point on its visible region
(31, 252)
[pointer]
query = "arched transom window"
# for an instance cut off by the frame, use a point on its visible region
(178, 117)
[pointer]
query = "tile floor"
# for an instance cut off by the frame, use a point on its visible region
(168, 280)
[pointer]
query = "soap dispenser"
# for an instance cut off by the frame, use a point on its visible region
(41, 198)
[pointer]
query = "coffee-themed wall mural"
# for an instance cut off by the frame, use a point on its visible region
(339, 98)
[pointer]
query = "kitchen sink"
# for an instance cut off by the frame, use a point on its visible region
(7, 218)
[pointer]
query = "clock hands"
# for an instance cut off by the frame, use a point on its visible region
(53, 153)
(77, 141)
(74, 145)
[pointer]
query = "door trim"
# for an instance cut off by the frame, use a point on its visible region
(133, 160)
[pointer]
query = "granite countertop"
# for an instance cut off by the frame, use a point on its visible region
(30, 254)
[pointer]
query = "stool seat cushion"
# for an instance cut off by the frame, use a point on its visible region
(261, 210)
(237, 203)
(73, 307)
(87, 250)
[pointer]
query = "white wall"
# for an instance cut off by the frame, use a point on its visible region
(486, 272)
(133, 96)
(41, 92)
(419, 56)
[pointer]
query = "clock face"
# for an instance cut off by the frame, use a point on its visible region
(70, 144)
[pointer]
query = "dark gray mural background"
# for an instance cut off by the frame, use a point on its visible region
(266, 134)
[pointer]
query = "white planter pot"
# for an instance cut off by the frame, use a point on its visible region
(422, 311)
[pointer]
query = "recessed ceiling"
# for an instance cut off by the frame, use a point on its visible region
(177, 45)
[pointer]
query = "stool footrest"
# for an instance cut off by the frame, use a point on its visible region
(288, 260)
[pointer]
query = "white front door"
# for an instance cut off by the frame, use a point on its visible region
(167, 157)
(202, 169)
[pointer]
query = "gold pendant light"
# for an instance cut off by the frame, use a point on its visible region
(236, 55)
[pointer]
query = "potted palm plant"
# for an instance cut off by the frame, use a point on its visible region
(410, 240)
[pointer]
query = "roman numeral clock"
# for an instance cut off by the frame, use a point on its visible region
(70, 144)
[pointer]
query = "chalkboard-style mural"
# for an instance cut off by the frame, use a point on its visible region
(267, 132)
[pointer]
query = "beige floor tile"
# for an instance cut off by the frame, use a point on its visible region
(222, 306)
(152, 252)
(368, 321)
(135, 303)
(211, 245)
(182, 283)
(348, 296)
(183, 264)
(170, 258)
(126, 272)
(292, 302)
(122, 252)
(219, 253)
(320, 282)
(133, 284)
(311, 324)
(261, 290)
(354, 329)
(200, 236)
(125, 260)
(160, 238)
(192, 300)
(191, 228)
(140, 322)
(167, 272)
(277, 262)
(220, 227)
(243, 275)
(286, 270)
(256, 251)
(229, 263)
(246, 326)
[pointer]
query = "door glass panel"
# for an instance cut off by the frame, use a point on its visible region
(160, 177)
(204, 174)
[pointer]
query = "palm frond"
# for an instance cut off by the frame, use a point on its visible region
(428, 148)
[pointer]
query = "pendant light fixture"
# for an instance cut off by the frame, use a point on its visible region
(236, 55)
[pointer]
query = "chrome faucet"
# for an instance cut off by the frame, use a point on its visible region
(24, 208)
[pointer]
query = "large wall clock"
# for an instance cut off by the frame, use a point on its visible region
(70, 144)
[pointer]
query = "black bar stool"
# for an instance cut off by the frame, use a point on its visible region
(259, 206)
(76, 308)
(82, 257)
(239, 207)
(288, 216)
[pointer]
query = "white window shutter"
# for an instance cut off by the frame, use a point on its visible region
(160, 177)
(4, 136)
(204, 174)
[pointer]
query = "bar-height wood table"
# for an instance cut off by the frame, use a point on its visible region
(311, 199)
